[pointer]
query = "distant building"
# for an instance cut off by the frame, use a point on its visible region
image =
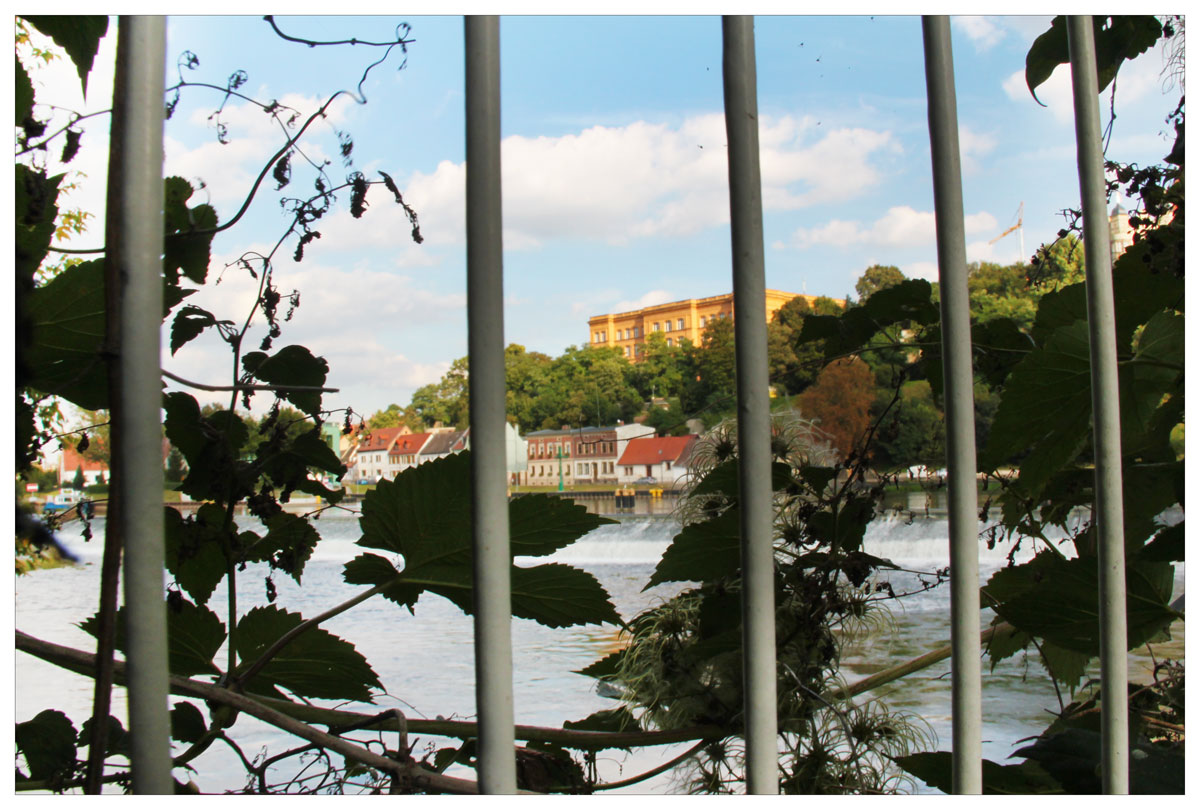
(664, 458)
(1120, 234)
(70, 461)
(584, 455)
(676, 320)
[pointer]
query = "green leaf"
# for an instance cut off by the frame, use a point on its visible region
(558, 595)
(702, 551)
(116, 741)
(424, 515)
(79, 35)
(935, 769)
(1117, 38)
(910, 300)
(188, 324)
(187, 243)
(187, 723)
(24, 93)
(723, 479)
(68, 332)
(842, 528)
(373, 570)
(1046, 407)
(1068, 667)
(291, 365)
(1167, 545)
(542, 524)
(288, 544)
(1062, 605)
(1155, 370)
(48, 744)
(194, 554)
(194, 636)
(1073, 757)
(35, 208)
(315, 664)
(604, 668)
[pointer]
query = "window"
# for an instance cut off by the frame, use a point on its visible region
(681, 323)
(629, 470)
(669, 343)
(656, 326)
(703, 321)
(566, 449)
(667, 325)
(637, 331)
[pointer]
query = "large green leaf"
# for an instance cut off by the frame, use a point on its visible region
(1060, 601)
(68, 332)
(723, 479)
(194, 635)
(1155, 370)
(194, 553)
(910, 300)
(424, 515)
(542, 524)
(1046, 407)
(288, 468)
(935, 768)
(702, 551)
(291, 365)
(1117, 38)
(48, 744)
(79, 35)
(1073, 758)
(315, 664)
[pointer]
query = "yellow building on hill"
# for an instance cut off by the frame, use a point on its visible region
(676, 320)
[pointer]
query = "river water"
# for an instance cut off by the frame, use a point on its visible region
(426, 660)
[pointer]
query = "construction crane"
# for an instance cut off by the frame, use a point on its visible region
(1017, 227)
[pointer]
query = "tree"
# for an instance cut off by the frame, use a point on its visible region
(78, 482)
(175, 467)
(913, 432)
(840, 402)
(875, 278)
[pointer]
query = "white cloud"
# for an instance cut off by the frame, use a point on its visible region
(901, 226)
(648, 300)
(984, 32)
(971, 146)
(641, 180)
(925, 270)
(983, 221)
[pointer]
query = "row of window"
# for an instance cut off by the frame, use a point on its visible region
(658, 326)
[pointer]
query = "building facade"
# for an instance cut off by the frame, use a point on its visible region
(677, 320)
(664, 458)
(578, 455)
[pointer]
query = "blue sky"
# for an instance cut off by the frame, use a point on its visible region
(615, 178)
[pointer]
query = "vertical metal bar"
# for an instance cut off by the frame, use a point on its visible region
(754, 414)
(134, 238)
(966, 696)
(1106, 414)
(485, 347)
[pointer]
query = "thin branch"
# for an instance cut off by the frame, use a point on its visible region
(83, 663)
(907, 668)
(666, 766)
(243, 387)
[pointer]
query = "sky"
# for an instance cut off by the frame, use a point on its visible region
(614, 181)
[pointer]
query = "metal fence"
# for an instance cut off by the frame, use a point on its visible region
(135, 203)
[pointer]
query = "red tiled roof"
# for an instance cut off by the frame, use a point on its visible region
(655, 450)
(379, 439)
(409, 443)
